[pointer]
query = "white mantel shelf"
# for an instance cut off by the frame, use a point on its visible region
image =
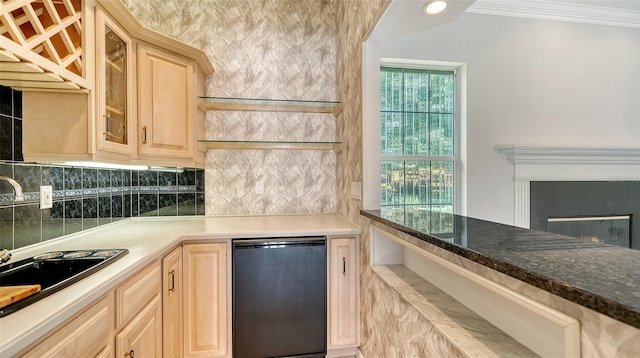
(539, 163)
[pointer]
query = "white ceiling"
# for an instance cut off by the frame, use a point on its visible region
(403, 17)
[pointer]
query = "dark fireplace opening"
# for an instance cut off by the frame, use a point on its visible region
(614, 230)
(598, 211)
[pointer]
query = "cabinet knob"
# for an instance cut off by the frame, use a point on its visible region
(130, 354)
(144, 135)
(344, 266)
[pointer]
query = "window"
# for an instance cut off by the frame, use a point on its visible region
(417, 124)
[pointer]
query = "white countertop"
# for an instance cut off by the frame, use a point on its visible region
(147, 239)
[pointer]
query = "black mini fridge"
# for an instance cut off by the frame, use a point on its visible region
(279, 297)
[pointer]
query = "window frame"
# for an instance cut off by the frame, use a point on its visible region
(459, 192)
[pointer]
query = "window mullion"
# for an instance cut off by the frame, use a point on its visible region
(435, 158)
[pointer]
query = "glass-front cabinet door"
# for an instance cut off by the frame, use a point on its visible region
(113, 87)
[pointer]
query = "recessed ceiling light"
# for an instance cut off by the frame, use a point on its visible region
(434, 7)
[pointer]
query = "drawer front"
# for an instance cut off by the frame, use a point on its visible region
(134, 294)
(86, 335)
(142, 337)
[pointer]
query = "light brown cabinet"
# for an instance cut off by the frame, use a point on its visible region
(207, 292)
(343, 293)
(114, 84)
(167, 103)
(139, 314)
(141, 107)
(180, 306)
(136, 292)
(86, 335)
(172, 310)
(142, 337)
(142, 317)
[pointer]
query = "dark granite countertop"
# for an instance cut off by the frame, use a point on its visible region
(602, 277)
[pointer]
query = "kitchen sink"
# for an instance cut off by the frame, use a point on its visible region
(53, 271)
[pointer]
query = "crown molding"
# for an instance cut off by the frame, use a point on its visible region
(573, 163)
(570, 155)
(551, 10)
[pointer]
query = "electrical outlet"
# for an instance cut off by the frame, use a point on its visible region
(356, 190)
(46, 197)
(259, 189)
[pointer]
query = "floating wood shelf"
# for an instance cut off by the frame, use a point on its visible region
(269, 105)
(272, 145)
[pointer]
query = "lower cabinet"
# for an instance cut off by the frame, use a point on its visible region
(172, 307)
(207, 310)
(180, 306)
(343, 293)
(139, 314)
(86, 335)
(142, 337)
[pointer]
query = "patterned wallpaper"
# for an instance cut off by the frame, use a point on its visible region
(354, 19)
(277, 49)
(294, 49)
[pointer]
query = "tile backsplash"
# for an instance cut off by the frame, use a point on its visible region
(10, 124)
(83, 198)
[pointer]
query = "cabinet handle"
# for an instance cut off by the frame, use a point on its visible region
(130, 354)
(344, 266)
(144, 135)
(107, 125)
(173, 280)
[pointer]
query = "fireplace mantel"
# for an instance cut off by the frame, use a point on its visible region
(539, 163)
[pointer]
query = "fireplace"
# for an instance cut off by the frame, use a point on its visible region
(593, 210)
(614, 230)
(586, 181)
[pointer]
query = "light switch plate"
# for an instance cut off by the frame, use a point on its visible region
(46, 197)
(356, 190)
(259, 189)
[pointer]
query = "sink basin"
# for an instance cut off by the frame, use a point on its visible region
(53, 271)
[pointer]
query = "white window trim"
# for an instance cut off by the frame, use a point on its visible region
(371, 124)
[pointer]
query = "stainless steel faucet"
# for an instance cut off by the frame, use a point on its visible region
(16, 187)
(5, 255)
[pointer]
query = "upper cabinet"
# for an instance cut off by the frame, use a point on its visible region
(114, 60)
(166, 91)
(138, 104)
